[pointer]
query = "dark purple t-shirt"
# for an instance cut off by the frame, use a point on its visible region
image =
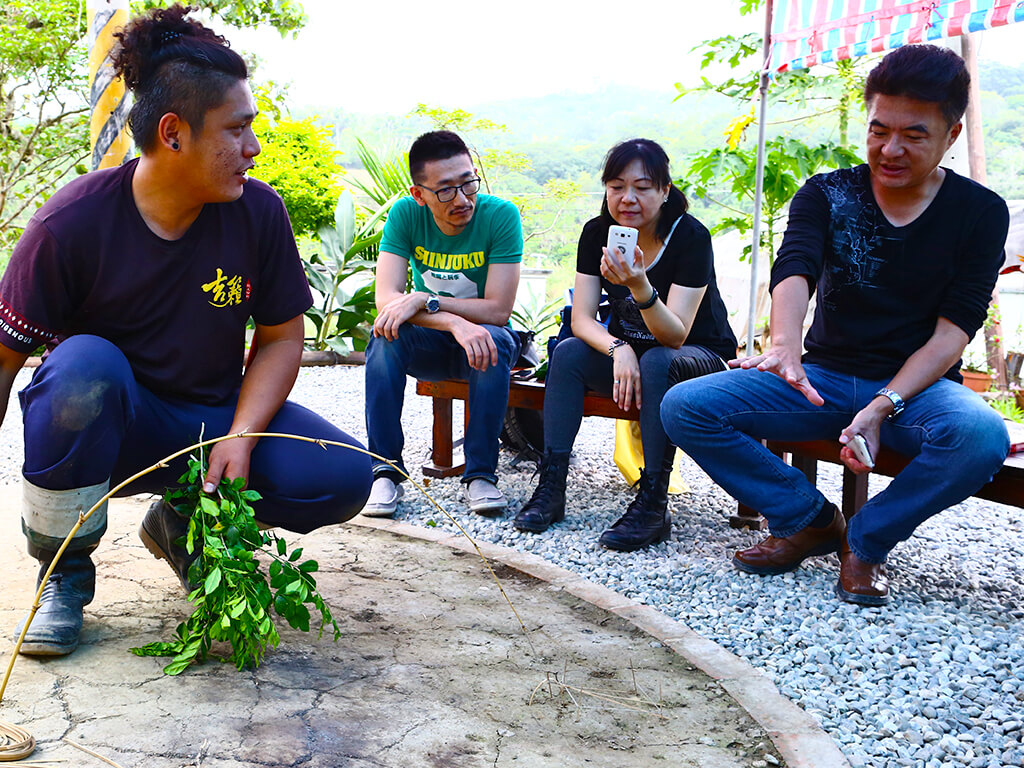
(87, 263)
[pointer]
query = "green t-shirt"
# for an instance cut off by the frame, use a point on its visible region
(454, 265)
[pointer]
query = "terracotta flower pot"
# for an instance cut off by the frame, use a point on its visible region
(977, 381)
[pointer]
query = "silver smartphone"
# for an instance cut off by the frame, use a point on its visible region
(622, 240)
(859, 447)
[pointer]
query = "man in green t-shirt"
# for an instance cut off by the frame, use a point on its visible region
(464, 249)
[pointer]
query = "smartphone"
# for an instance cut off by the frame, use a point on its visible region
(859, 447)
(622, 240)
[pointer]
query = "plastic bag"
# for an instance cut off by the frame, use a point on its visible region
(629, 456)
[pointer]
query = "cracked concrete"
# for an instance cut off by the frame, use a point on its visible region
(432, 670)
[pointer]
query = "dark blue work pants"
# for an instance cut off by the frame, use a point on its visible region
(86, 419)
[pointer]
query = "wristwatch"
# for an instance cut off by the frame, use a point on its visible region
(433, 304)
(894, 397)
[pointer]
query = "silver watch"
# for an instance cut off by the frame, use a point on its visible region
(894, 397)
(433, 304)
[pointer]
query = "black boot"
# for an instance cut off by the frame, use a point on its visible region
(163, 531)
(647, 519)
(547, 505)
(58, 622)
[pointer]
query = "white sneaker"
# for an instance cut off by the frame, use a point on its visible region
(384, 497)
(484, 498)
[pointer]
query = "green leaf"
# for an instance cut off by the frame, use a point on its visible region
(212, 580)
(209, 506)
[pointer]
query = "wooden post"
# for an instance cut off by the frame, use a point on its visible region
(976, 162)
(107, 134)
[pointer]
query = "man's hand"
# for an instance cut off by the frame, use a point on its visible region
(396, 312)
(230, 459)
(626, 377)
(785, 363)
(867, 423)
(477, 342)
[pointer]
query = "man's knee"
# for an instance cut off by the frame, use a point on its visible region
(977, 434)
(506, 344)
(81, 378)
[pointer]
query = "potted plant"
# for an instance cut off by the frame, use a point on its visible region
(974, 368)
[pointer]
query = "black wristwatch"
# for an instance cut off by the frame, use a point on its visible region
(894, 397)
(433, 304)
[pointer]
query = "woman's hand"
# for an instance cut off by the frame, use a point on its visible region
(626, 377)
(619, 270)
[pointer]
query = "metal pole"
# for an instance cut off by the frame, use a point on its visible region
(107, 135)
(759, 176)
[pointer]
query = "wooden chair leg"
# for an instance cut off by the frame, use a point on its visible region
(855, 492)
(440, 464)
(746, 517)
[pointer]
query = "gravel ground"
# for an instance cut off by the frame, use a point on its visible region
(934, 679)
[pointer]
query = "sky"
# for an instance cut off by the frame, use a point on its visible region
(389, 55)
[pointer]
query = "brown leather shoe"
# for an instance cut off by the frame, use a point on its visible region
(779, 555)
(860, 582)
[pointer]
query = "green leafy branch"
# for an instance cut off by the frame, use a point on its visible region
(233, 598)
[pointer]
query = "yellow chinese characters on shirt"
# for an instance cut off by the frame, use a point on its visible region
(225, 291)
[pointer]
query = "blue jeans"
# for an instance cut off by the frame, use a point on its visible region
(434, 355)
(87, 419)
(957, 443)
(577, 367)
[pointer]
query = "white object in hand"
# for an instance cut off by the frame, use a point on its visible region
(859, 447)
(622, 240)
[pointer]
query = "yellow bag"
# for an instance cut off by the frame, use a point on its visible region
(629, 456)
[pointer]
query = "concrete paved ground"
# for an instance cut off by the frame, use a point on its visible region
(432, 670)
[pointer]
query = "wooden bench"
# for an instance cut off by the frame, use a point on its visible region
(1007, 487)
(521, 394)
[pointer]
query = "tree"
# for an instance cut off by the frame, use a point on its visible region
(43, 93)
(298, 160)
(725, 175)
(43, 108)
(787, 163)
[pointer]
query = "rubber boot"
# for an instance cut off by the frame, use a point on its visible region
(547, 504)
(647, 519)
(58, 622)
(47, 518)
(163, 531)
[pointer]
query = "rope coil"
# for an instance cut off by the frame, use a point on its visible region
(15, 743)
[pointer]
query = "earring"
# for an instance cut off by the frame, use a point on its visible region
(175, 146)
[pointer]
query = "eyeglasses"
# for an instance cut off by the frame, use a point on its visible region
(447, 194)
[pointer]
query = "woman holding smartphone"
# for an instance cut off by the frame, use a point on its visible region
(667, 324)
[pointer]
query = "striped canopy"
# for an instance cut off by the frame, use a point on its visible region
(809, 32)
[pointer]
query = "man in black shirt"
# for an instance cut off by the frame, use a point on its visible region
(904, 255)
(147, 274)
